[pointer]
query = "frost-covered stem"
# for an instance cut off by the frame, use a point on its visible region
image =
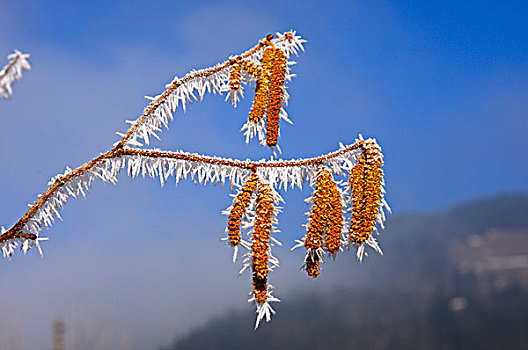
(203, 73)
(15, 231)
(246, 164)
(10, 66)
(12, 72)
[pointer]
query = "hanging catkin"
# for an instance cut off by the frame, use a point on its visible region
(366, 184)
(314, 237)
(260, 102)
(235, 76)
(264, 210)
(240, 204)
(275, 96)
(334, 219)
(325, 222)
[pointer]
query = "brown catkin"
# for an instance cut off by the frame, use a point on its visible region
(260, 102)
(275, 95)
(264, 210)
(334, 223)
(365, 181)
(357, 184)
(240, 204)
(325, 222)
(235, 77)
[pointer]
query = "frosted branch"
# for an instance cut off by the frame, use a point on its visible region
(162, 165)
(13, 72)
(357, 197)
(194, 85)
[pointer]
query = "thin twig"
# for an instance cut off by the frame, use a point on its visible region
(12, 72)
(178, 82)
(7, 68)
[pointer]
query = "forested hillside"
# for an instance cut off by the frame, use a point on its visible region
(441, 285)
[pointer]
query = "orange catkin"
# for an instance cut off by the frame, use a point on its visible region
(261, 235)
(240, 204)
(260, 102)
(325, 222)
(365, 181)
(235, 77)
(275, 96)
(334, 223)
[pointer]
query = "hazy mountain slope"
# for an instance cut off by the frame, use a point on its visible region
(412, 298)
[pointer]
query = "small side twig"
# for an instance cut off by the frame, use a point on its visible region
(13, 72)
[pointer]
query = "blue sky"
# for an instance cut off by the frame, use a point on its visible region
(441, 85)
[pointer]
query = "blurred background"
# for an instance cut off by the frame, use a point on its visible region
(443, 88)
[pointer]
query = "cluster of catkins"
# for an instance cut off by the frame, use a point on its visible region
(264, 212)
(325, 222)
(343, 214)
(256, 202)
(326, 228)
(270, 77)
